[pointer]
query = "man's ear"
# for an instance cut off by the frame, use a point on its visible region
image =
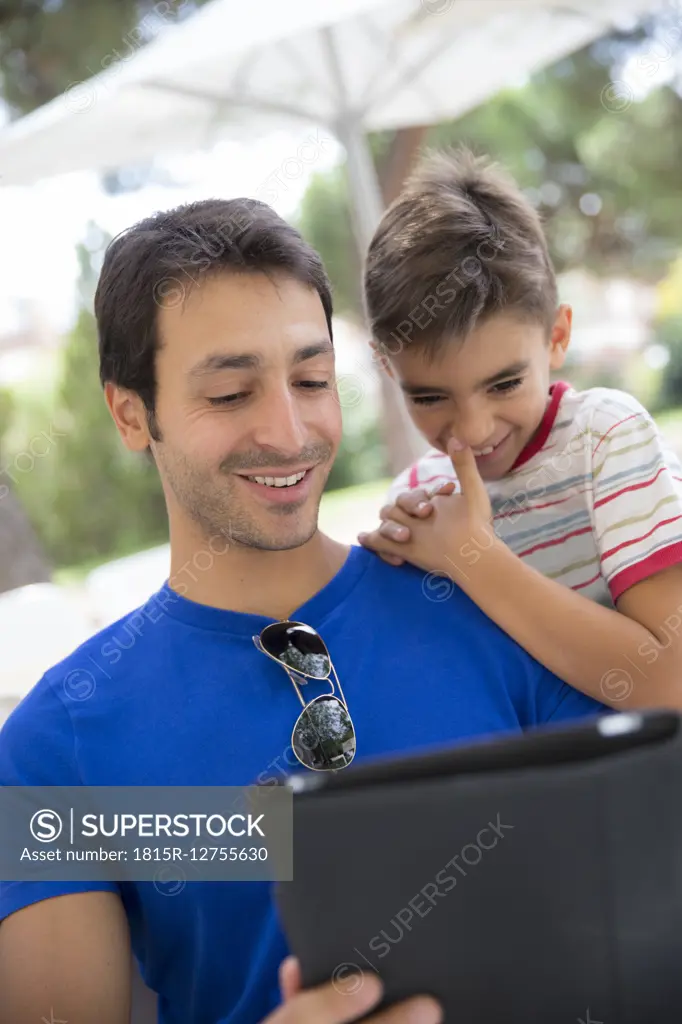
(130, 416)
(380, 358)
(560, 337)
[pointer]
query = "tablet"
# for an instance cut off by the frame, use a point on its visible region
(525, 879)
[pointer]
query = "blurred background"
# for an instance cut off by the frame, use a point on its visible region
(110, 111)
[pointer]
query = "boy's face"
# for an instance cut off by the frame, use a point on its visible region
(490, 392)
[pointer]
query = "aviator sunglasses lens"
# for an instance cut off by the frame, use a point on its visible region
(298, 647)
(324, 737)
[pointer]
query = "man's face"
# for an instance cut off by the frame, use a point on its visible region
(246, 402)
(489, 392)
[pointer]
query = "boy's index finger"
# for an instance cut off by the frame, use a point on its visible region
(464, 464)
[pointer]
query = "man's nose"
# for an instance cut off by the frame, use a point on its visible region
(280, 423)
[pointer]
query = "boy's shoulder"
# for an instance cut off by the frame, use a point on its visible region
(610, 419)
(604, 403)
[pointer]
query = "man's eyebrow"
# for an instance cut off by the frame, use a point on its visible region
(513, 370)
(220, 361)
(318, 348)
(420, 389)
(250, 361)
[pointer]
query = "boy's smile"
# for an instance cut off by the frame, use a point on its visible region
(489, 391)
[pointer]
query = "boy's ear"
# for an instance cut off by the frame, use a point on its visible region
(560, 337)
(380, 359)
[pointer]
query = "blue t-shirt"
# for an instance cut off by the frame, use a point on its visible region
(176, 693)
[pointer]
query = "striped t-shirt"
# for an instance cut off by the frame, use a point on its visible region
(595, 499)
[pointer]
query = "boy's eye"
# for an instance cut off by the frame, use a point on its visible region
(426, 399)
(505, 386)
(311, 384)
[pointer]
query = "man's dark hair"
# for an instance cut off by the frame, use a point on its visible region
(159, 260)
(459, 244)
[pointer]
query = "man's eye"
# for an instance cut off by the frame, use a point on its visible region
(505, 386)
(426, 399)
(231, 399)
(228, 399)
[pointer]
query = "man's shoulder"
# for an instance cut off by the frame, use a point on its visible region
(100, 655)
(397, 597)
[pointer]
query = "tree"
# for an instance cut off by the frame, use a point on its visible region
(105, 500)
(668, 333)
(601, 167)
(22, 560)
(89, 498)
(46, 46)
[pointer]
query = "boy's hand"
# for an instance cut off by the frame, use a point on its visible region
(426, 528)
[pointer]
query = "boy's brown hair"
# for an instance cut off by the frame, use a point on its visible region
(459, 244)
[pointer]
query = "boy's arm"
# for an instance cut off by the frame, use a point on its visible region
(628, 658)
(631, 657)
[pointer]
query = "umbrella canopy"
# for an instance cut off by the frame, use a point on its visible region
(349, 65)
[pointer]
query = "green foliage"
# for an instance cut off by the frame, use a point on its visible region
(360, 458)
(87, 496)
(669, 292)
(46, 46)
(567, 134)
(325, 221)
(669, 334)
(570, 134)
(7, 405)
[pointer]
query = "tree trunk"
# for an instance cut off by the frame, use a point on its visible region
(22, 560)
(403, 442)
(400, 160)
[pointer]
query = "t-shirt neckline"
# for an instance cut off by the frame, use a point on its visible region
(557, 390)
(312, 612)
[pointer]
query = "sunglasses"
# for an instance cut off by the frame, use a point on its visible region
(323, 737)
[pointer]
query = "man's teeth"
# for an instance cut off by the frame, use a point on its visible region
(278, 481)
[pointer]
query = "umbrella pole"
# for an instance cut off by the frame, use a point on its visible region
(363, 184)
(402, 442)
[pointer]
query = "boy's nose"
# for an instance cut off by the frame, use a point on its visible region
(475, 432)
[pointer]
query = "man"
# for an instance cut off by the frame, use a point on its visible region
(216, 355)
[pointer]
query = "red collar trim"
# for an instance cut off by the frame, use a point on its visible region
(556, 393)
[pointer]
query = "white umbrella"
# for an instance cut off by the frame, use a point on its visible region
(351, 66)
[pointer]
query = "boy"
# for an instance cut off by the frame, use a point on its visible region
(558, 512)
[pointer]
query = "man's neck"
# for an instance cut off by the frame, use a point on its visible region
(240, 579)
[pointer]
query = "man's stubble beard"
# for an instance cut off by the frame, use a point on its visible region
(218, 512)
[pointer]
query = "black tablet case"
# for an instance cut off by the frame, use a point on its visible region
(575, 914)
